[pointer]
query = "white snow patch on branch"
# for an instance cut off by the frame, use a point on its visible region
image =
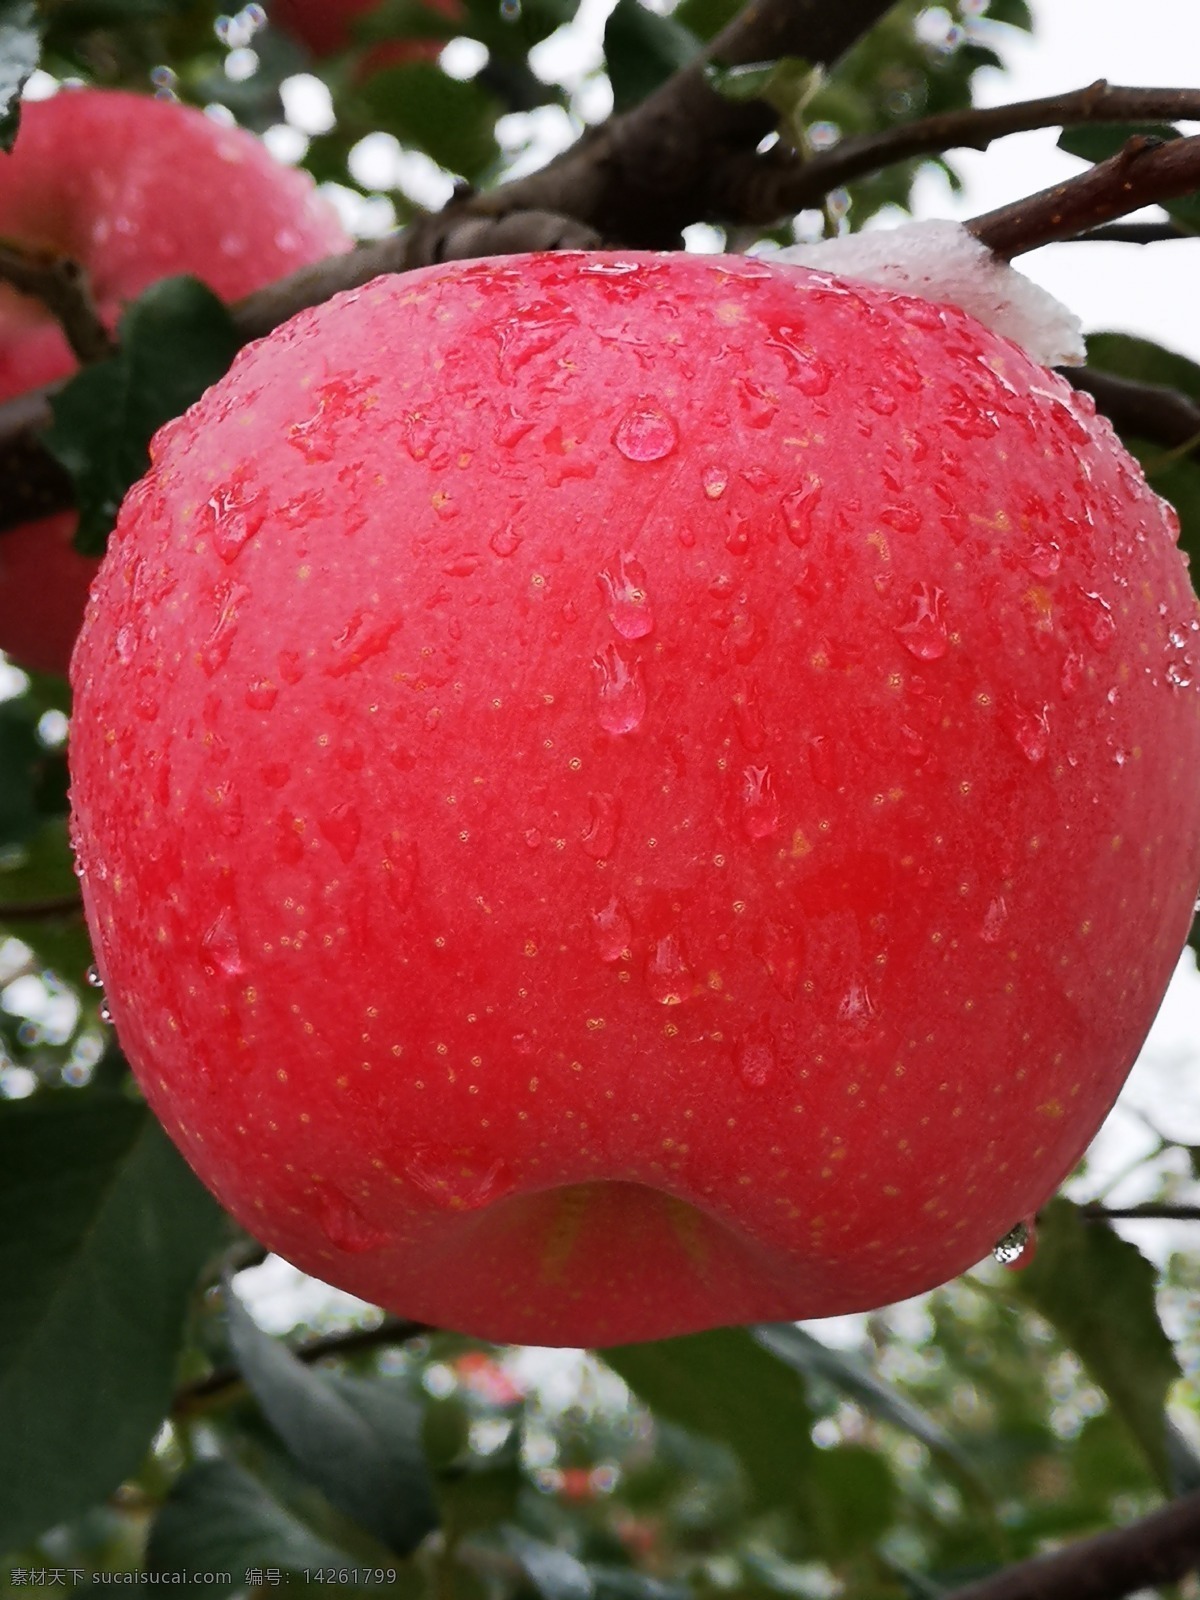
(941, 261)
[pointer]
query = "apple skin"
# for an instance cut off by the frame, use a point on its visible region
(247, 221)
(620, 794)
(327, 27)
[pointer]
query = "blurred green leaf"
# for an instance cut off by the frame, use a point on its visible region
(851, 1376)
(20, 49)
(220, 1519)
(1098, 1291)
(175, 340)
(22, 758)
(451, 121)
(103, 1232)
(555, 1574)
(358, 1441)
(641, 51)
(849, 1500)
(725, 1386)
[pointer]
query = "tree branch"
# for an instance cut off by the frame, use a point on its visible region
(1159, 1549)
(1152, 1209)
(1135, 233)
(766, 187)
(1146, 172)
(202, 1392)
(62, 287)
(60, 905)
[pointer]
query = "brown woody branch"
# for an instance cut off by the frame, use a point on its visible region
(1160, 1548)
(1146, 172)
(1155, 1210)
(223, 1381)
(766, 187)
(1136, 233)
(62, 287)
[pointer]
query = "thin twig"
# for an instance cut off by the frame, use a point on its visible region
(1153, 1209)
(62, 287)
(60, 905)
(219, 1384)
(1135, 233)
(1146, 172)
(1157, 1549)
(768, 186)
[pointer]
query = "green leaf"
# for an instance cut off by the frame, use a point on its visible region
(175, 340)
(726, 1386)
(358, 1441)
(787, 86)
(849, 1501)
(20, 51)
(641, 50)
(1097, 141)
(104, 1231)
(22, 758)
(554, 1573)
(851, 1376)
(451, 121)
(218, 1518)
(1098, 1291)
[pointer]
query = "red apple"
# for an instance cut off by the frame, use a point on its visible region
(135, 189)
(327, 26)
(618, 794)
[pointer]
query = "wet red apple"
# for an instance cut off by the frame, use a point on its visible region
(618, 794)
(100, 176)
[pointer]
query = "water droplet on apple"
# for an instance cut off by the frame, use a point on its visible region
(756, 1060)
(214, 652)
(760, 804)
(611, 930)
(628, 603)
(601, 834)
(798, 508)
(105, 1012)
(1098, 622)
(622, 691)
(823, 762)
(1016, 1248)
(1044, 558)
(126, 644)
(343, 828)
(344, 1225)
(1072, 667)
(856, 1006)
(715, 481)
(646, 433)
(668, 976)
(1030, 730)
(93, 978)
(924, 635)
(231, 518)
(994, 919)
(505, 542)
(807, 371)
(262, 694)
(881, 402)
(458, 1179)
(219, 948)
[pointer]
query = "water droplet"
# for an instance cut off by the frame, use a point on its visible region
(505, 542)
(756, 1059)
(1017, 1246)
(262, 694)
(93, 978)
(105, 1012)
(748, 716)
(1069, 680)
(668, 976)
(601, 833)
(760, 804)
(622, 690)
(902, 515)
(510, 10)
(806, 370)
(1030, 730)
(126, 643)
(460, 1179)
(798, 508)
(715, 481)
(343, 828)
(924, 634)
(611, 930)
(1044, 558)
(759, 405)
(214, 652)
(646, 433)
(1097, 618)
(856, 1006)
(628, 603)
(344, 1225)
(463, 566)
(1179, 673)
(994, 919)
(881, 402)
(822, 762)
(219, 948)
(232, 517)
